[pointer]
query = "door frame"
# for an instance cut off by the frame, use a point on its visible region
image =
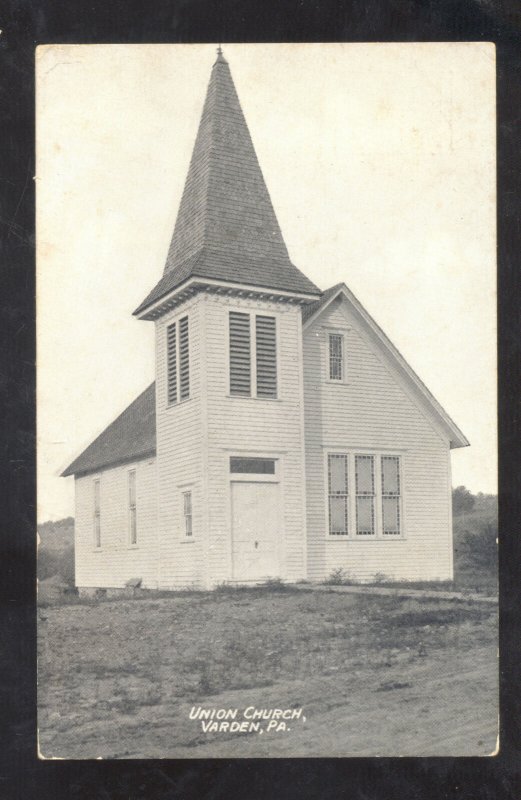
(253, 477)
(277, 538)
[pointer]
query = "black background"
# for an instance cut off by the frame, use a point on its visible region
(27, 24)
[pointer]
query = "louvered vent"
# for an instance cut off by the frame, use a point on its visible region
(265, 334)
(171, 337)
(240, 354)
(184, 361)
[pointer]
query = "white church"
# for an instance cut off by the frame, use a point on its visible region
(284, 436)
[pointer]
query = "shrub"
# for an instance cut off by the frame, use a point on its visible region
(339, 577)
(381, 577)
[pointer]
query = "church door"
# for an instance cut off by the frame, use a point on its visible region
(255, 530)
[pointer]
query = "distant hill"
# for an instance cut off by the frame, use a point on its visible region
(56, 550)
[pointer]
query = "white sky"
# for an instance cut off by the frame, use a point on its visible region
(380, 162)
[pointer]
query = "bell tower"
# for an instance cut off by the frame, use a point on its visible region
(229, 382)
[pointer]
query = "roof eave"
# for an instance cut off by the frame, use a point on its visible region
(195, 283)
(79, 472)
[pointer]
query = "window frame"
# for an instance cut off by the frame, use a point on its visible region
(252, 471)
(253, 313)
(187, 493)
(344, 495)
(342, 332)
(252, 362)
(254, 317)
(176, 324)
(352, 534)
(96, 513)
(340, 358)
(366, 495)
(395, 495)
(132, 508)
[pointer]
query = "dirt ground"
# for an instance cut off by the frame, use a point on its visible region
(373, 675)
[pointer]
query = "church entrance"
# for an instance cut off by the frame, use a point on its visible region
(256, 530)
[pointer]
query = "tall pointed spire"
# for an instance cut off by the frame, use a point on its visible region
(226, 228)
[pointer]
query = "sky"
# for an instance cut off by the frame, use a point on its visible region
(380, 162)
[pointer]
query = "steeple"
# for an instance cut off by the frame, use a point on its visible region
(226, 228)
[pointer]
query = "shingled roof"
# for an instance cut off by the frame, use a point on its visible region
(226, 228)
(131, 436)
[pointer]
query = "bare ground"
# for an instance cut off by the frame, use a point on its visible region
(373, 675)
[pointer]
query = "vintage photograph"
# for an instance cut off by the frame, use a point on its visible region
(267, 456)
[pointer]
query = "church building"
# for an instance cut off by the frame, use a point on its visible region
(284, 437)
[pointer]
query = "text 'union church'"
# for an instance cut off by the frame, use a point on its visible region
(284, 436)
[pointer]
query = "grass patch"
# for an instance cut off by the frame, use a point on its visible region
(273, 585)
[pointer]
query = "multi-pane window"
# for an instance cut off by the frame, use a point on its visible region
(132, 511)
(253, 355)
(336, 357)
(338, 494)
(178, 361)
(97, 514)
(364, 495)
(187, 512)
(390, 496)
(364, 477)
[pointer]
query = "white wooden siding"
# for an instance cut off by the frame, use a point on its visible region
(180, 462)
(116, 561)
(254, 426)
(373, 411)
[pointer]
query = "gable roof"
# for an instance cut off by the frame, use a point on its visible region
(131, 436)
(226, 228)
(313, 311)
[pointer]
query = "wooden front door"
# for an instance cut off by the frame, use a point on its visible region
(255, 530)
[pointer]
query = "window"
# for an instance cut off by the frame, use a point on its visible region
(336, 357)
(253, 369)
(338, 494)
(97, 521)
(178, 362)
(259, 466)
(184, 365)
(187, 511)
(266, 346)
(364, 496)
(240, 355)
(132, 507)
(390, 496)
(364, 472)
(171, 336)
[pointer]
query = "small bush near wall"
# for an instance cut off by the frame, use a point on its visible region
(339, 577)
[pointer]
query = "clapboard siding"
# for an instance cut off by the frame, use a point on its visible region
(373, 411)
(179, 458)
(116, 561)
(268, 426)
